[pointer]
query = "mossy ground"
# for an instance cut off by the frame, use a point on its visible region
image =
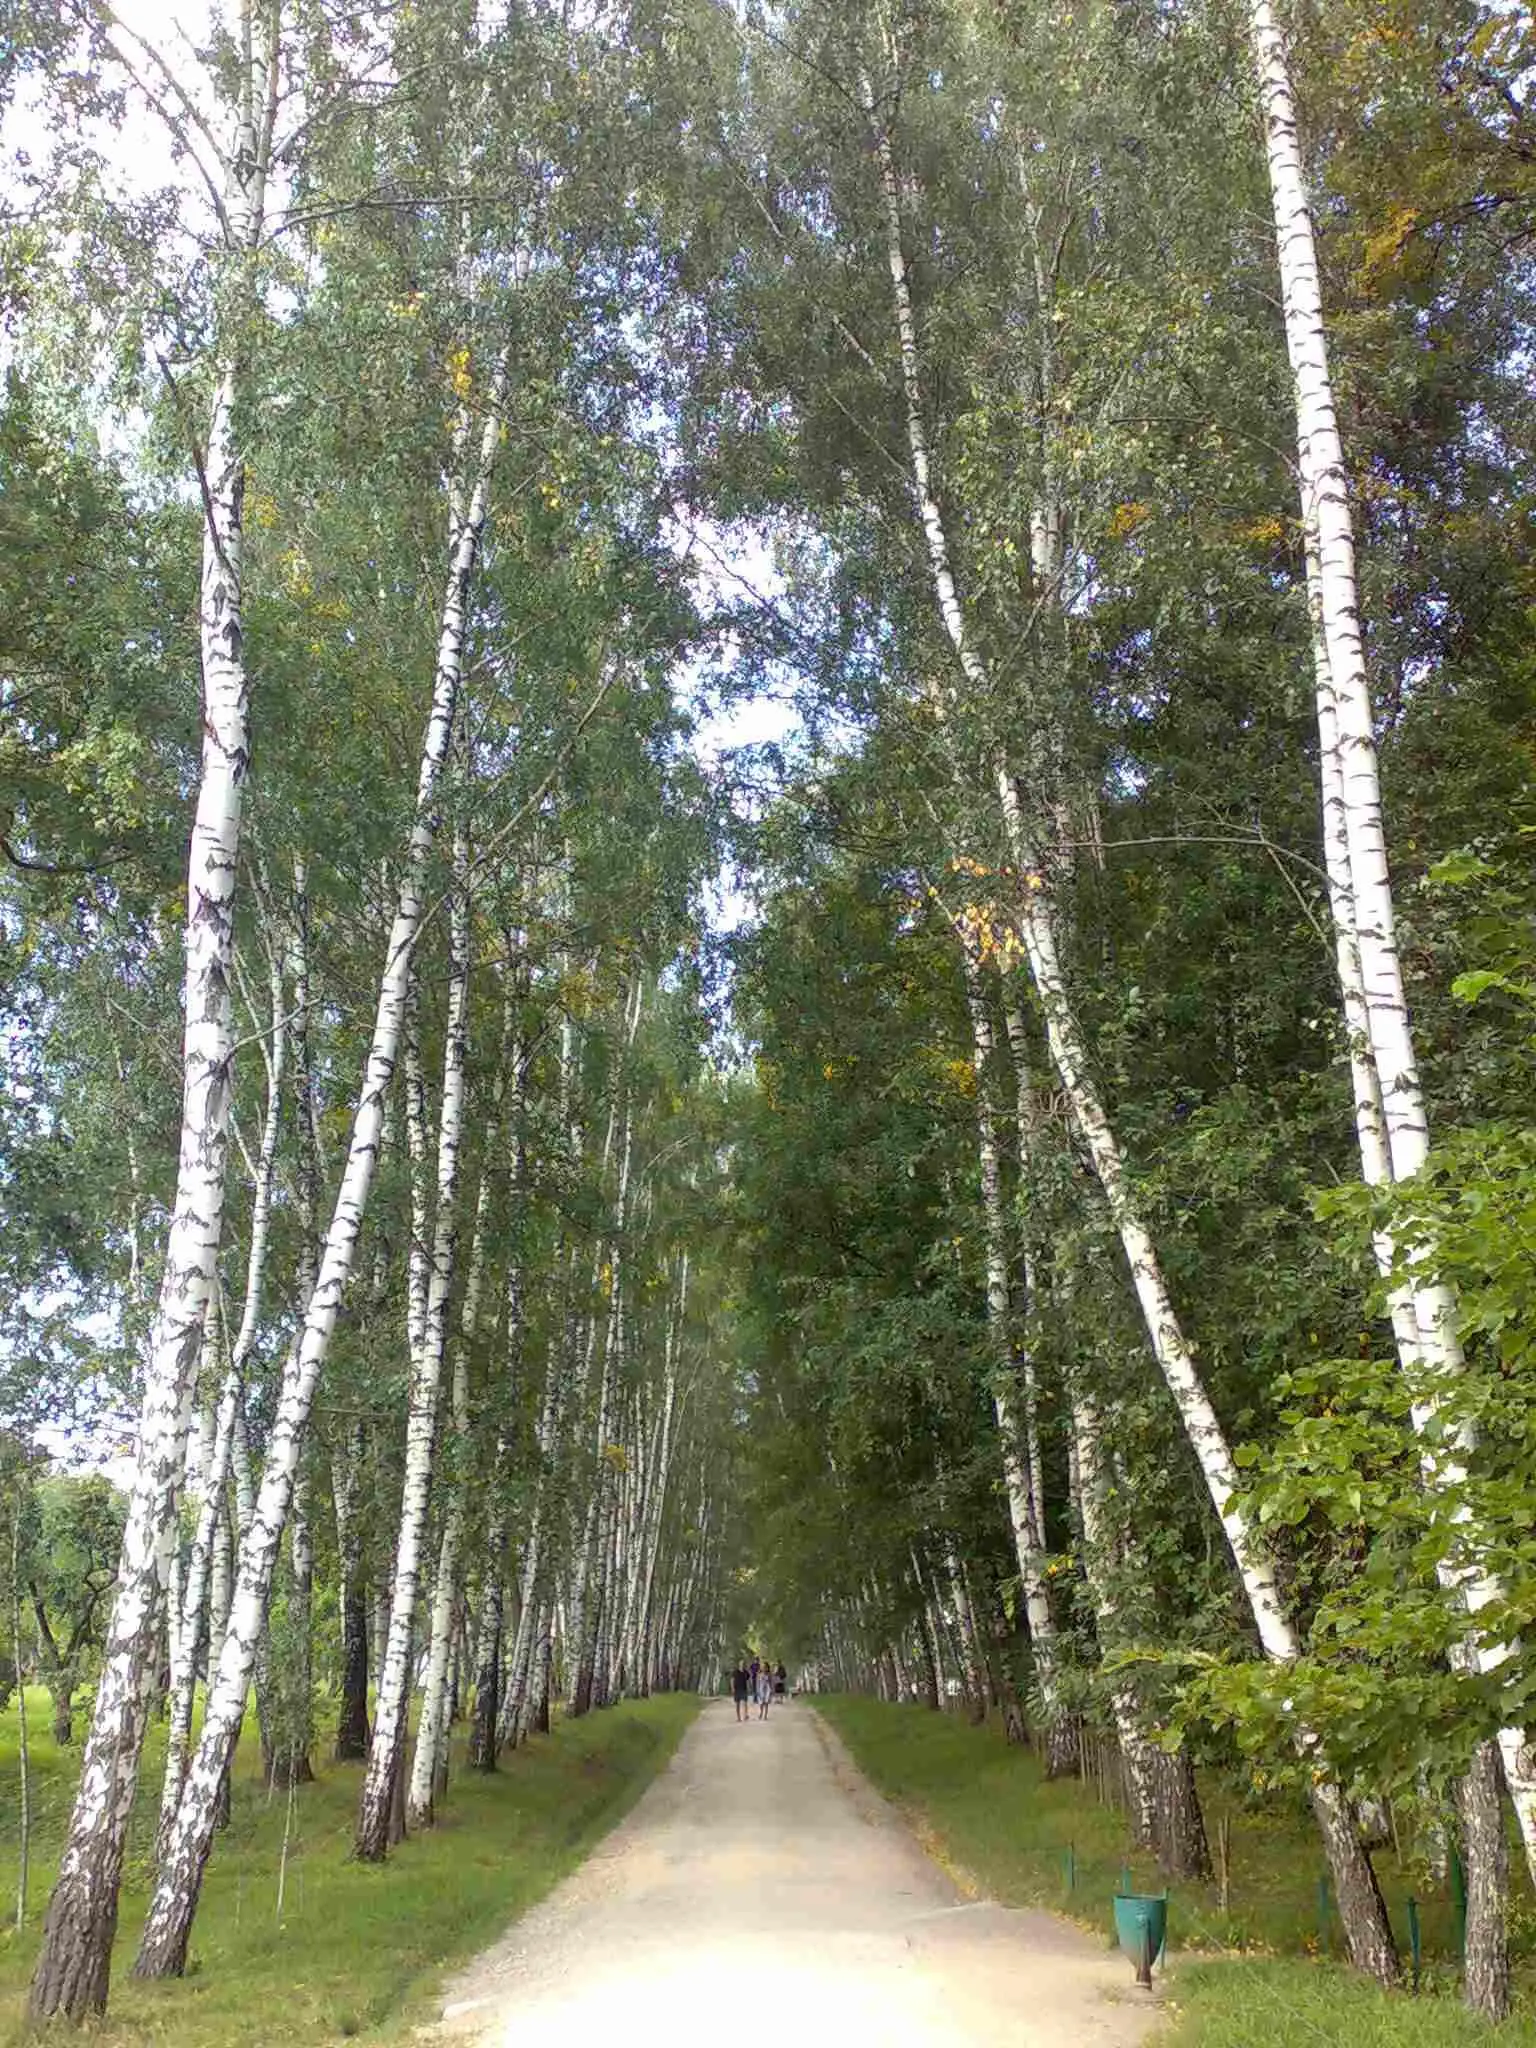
(1271, 1981)
(357, 1950)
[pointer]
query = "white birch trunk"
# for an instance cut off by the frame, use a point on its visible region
(74, 1965)
(1361, 1908)
(164, 1945)
(1025, 1121)
(209, 1495)
(1016, 1435)
(1326, 513)
(1098, 1565)
(1389, 1104)
(656, 1504)
(387, 1756)
(430, 1758)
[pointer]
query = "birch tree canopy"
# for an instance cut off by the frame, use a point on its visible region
(1056, 1249)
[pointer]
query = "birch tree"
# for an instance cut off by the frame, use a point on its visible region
(1391, 1116)
(73, 1968)
(163, 1947)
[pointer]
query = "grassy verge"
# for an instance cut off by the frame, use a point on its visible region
(1290, 2004)
(358, 1950)
(986, 1811)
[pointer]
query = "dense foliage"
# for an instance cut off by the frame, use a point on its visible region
(1009, 1256)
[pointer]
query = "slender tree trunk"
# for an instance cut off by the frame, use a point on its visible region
(432, 1734)
(294, 1691)
(23, 1753)
(521, 1670)
(482, 1725)
(352, 1712)
(74, 1966)
(1025, 1120)
(209, 1494)
(1098, 1563)
(1360, 1905)
(163, 1948)
(1016, 1435)
(1370, 962)
(389, 1733)
(589, 1608)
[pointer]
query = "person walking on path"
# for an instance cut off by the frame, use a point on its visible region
(780, 1680)
(739, 1690)
(764, 1692)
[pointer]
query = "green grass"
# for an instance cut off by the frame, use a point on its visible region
(1289, 2004)
(990, 1815)
(359, 1949)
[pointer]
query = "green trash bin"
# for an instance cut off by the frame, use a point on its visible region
(1141, 1923)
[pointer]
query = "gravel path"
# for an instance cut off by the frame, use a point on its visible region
(761, 1891)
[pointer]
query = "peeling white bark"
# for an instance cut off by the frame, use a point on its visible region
(429, 1761)
(209, 1495)
(74, 1966)
(1361, 1908)
(163, 1948)
(1391, 1116)
(1017, 1438)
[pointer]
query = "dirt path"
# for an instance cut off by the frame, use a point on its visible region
(761, 1889)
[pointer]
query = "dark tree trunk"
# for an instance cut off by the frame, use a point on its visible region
(289, 1767)
(1362, 1912)
(539, 1720)
(352, 1719)
(1179, 1824)
(396, 1832)
(63, 1713)
(1062, 1747)
(482, 1726)
(1485, 1854)
(930, 1651)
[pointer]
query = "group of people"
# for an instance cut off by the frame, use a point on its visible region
(757, 1681)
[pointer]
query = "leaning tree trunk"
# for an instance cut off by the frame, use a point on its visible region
(1361, 1909)
(1359, 1899)
(1165, 1800)
(163, 1948)
(209, 1495)
(74, 1966)
(1352, 791)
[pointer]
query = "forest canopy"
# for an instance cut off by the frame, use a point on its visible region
(765, 872)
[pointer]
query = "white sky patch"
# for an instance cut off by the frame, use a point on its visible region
(729, 564)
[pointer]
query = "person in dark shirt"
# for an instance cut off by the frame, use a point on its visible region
(739, 1690)
(780, 1680)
